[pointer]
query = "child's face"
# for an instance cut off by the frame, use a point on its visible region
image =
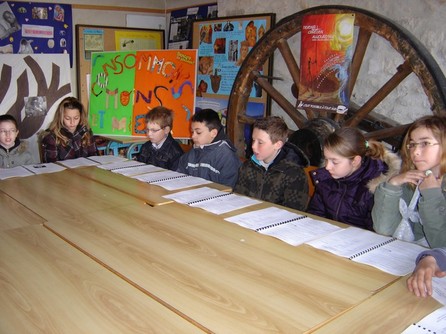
(427, 157)
(339, 166)
(71, 119)
(8, 134)
(201, 134)
(156, 133)
(262, 146)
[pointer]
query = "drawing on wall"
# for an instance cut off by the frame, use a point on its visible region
(34, 27)
(125, 85)
(93, 42)
(32, 87)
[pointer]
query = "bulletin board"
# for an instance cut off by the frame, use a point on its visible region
(94, 38)
(36, 27)
(223, 43)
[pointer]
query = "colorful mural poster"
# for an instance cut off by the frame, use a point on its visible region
(222, 48)
(326, 55)
(125, 85)
(35, 27)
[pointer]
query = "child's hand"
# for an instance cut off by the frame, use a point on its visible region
(420, 282)
(412, 176)
(430, 181)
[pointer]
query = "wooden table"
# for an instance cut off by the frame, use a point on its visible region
(193, 268)
(49, 286)
(391, 310)
(63, 194)
(221, 275)
(15, 215)
(149, 194)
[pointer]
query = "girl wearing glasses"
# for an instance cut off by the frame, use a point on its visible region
(411, 206)
(13, 152)
(69, 136)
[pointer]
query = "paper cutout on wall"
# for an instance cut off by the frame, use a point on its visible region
(125, 85)
(31, 88)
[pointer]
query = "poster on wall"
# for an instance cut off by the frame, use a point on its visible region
(326, 55)
(180, 28)
(35, 27)
(223, 43)
(32, 86)
(125, 85)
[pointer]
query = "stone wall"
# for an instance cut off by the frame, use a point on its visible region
(423, 18)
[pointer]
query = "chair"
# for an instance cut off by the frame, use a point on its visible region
(40, 135)
(308, 171)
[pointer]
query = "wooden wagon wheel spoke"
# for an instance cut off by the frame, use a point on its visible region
(403, 71)
(416, 58)
(280, 99)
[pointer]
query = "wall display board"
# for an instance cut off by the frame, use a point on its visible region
(125, 85)
(180, 28)
(223, 43)
(35, 27)
(92, 38)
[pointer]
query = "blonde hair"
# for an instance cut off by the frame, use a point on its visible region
(57, 124)
(437, 125)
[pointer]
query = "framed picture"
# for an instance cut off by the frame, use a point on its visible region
(222, 44)
(92, 38)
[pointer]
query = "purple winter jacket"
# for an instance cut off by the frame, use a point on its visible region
(348, 200)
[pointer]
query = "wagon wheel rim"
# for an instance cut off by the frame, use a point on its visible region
(416, 59)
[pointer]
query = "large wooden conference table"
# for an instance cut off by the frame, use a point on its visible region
(87, 257)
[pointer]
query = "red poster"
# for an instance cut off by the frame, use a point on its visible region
(326, 54)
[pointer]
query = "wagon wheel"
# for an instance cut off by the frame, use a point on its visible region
(415, 59)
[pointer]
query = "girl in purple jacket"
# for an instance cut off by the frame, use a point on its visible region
(353, 169)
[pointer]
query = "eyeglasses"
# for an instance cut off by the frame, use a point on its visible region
(153, 130)
(5, 132)
(421, 144)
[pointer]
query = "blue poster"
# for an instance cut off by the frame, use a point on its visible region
(36, 27)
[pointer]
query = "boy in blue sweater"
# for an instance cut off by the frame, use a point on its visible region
(213, 156)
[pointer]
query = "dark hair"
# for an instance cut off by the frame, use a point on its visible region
(209, 117)
(274, 126)
(9, 118)
(161, 115)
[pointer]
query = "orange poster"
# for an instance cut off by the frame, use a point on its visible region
(326, 54)
(125, 85)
